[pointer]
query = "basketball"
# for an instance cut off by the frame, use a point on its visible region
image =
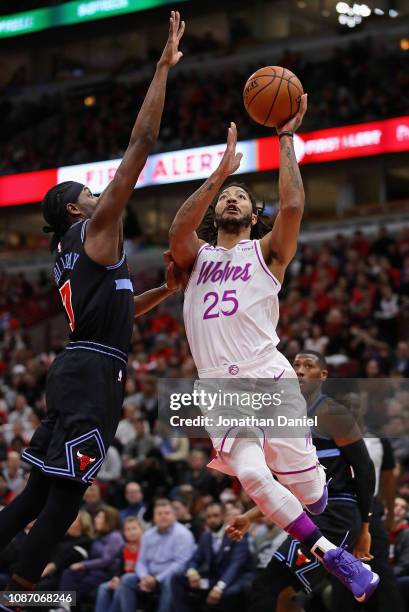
(272, 95)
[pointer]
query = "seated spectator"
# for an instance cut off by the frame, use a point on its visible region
(197, 475)
(165, 550)
(74, 548)
(399, 546)
(136, 451)
(110, 470)
(136, 507)
(129, 556)
(401, 363)
(184, 516)
(21, 410)
(217, 573)
(85, 576)
(13, 472)
(92, 500)
(125, 432)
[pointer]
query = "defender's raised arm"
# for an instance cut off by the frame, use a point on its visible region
(102, 233)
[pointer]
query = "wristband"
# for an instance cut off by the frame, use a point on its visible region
(220, 586)
(290, 134)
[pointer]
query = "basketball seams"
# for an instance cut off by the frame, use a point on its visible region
(275, 97)
(260, 90)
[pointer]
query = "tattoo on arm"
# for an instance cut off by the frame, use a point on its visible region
(292, 166)
(192, 201)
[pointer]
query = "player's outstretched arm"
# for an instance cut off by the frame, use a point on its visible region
(102, 234)
(148, 300)
(240, 525)
(280, 244)
(184, 242)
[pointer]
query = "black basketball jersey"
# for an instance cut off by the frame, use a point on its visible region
(338, 470)
(98, 300)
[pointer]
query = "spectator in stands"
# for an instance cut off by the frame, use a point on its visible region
(13, 472)
(21, 411)
(92, 500)
(134, 497)
(218, 572)
(197, 475)
(165, 550)
(125, 432)
(399, 546)
(136, 451)
(111, 468)
(184, 516)
(74, 548)
(401, 362)
(85, 576)
(129, 556)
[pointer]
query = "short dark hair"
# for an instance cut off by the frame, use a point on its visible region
(319, 356)
(207, 230)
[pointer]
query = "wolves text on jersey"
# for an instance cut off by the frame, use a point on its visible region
(219, 272)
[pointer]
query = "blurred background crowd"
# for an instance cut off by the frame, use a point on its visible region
(69, 95)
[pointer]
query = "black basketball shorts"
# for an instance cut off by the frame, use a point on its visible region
(84, 396)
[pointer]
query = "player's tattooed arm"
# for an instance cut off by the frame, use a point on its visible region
(280, 245)
(184, 242)
(102, 232)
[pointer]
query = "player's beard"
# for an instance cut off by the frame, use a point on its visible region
(232, 225)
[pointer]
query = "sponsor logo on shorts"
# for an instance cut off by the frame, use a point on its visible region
(84, 460)
(234, 369)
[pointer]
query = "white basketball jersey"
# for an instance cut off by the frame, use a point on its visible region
(231, 305)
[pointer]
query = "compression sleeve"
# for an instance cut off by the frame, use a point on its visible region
(356, 454)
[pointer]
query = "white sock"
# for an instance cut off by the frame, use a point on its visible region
(322, 546)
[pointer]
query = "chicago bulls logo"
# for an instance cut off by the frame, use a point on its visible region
(301, 558)
(84, 460)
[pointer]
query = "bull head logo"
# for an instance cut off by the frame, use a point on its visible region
(84, 460)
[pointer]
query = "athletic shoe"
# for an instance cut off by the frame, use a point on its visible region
(356, 576)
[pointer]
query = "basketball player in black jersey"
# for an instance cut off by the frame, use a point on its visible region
(85, 385)
(339, 448)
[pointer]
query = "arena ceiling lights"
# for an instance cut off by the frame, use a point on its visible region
(71, 13)
(352, 16)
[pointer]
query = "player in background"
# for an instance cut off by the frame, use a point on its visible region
(230, 313)
(85, 385)
(351, 485)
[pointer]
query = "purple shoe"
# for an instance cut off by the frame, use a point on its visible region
(356, 576)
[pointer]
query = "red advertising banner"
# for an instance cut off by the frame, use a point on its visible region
(362, 140)
(375, 138)
(26, 187)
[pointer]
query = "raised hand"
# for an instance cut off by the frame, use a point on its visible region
(171, 54)
(294, 123)
(231, 160)
(238, 527)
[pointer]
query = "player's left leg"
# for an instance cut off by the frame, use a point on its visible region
(59, 512)
(25, 507)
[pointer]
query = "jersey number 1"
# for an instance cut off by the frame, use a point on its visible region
(65, 292)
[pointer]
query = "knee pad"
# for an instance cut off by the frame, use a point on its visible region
(312, 493)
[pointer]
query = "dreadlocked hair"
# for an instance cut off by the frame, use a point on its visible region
(54, 206)
(207, 230)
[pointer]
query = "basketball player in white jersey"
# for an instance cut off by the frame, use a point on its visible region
(231, 312)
